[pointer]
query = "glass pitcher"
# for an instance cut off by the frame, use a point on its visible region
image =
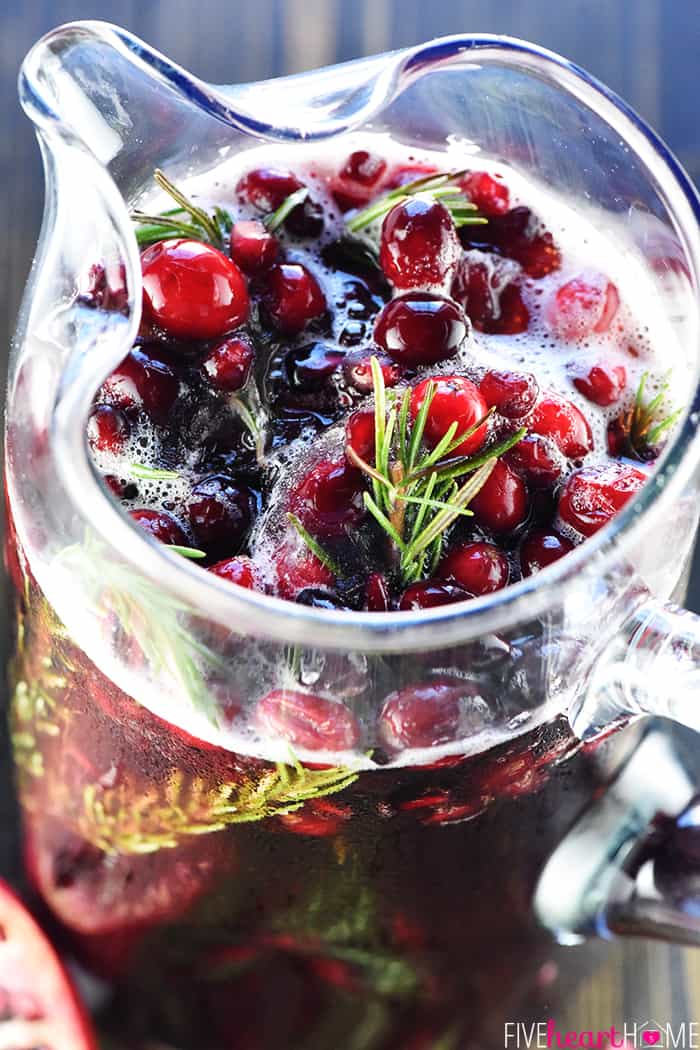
(232, 901)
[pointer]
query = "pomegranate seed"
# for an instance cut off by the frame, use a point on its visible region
(480, 568)
(420, 329)
(192, 291)
(220, 514)
(309, 367)
(540, 548)
(422, 715)
(519, 235)
(108, 429)
(358, 370)
(594, 495)
(585, 304)
(143, 380)
(603, 384)
(537, 460)
(428, 594)
(241, 570)
(419, 244)
(360, 434)
(253, 247)
(160, 525)
(267, 188)
(228, 365)
(328, 499)
(562, 422)
(512, 394)
(294, 297)
(501, 503)
(490, 296)
(377, 594)
(456, 399)
(308, 721)
(353, 186)
(298, 569)
(488, 192)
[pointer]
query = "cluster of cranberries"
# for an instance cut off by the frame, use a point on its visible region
(220, 323)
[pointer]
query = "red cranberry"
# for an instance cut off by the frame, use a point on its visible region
(105, 287)
(241, 570)
(540, 548)
(353, 186)
(488, 192)
(297, 569)
(603, 384)
(220, 514)
(594, 495)
(419, 244)
(228, 365)
(456, 399)
(358, 370)
(377, 594)
(253, 247)
(537, 460)
(427, 594)
(294, 297)
(420, 329)
(519, 235)
(585, 304)
(108, 429)
(328, 499)
(310, 366)
(558, 419)
(491, 298)
(512, 394)
(422, 715)
(160, 525)
(408, 173)
(267, 188)
(360, 434)
(320, 598)
(501, 503)
(192, 290)
(479, 568)
(320, 818)
(308, 721)
(143, 380)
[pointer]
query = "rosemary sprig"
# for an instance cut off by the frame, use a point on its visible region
(172, 222)
(314, 546)
(141, 470)
(187, 552)
(643, 425)
(415, 494)
(274, 220)
(437, 187)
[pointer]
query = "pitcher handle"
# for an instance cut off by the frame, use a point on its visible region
(630, 865)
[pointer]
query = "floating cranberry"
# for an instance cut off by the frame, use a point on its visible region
(192, 290)
(603, 384)
(310, 366)
(241, 570)
(377, 594)
(584, 305)
(537, 459)
(491, 298)
(298, 568)
(228, 364)
(501, 503)
(360, 434)
(294, 297)
(320, 598)
(220, 514)
(253, 247)
(594, 495)
(519, 235)
(456, 399)
(420, 329)
(308, 721)
(488, 192)
(358, 370)
(419, 244)
(540, 548)
(512, 394)
(268, 188)
(328, 499)
(353, 186)
(558, 419)
(422, 715)
(480, 568)
(428, 594)
(143, 380)
(108, 429)
(160, 525)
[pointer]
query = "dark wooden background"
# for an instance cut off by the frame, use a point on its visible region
(646, 50)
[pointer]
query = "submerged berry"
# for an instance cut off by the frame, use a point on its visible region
(540, 548)
(480, 568)
(160, 525)
(423, 715)
(520, 235)
(357, 369)
(537, 459)
(491, 297)
(328, 499)
(584, 305)
(308, 721)
(143, 380)
(108, 429)
(298, 568)
(594, 495)
(241, 570)
(419, 244)
(428, 594)
(377, 593)
(220, 514)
